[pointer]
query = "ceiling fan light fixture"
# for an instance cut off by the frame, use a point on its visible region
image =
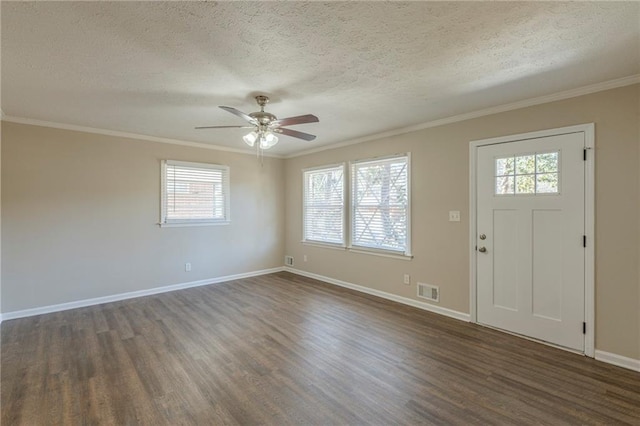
(267, 140)
(250, 138)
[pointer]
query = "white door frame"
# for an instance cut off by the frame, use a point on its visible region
(589, 223)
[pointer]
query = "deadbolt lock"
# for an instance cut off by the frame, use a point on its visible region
(483, 237)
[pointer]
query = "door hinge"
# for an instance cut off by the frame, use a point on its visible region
(584, 241)
(584, 328)
(584, 154)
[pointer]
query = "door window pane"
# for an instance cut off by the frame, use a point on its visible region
(547, 183)
(547, 163)
(504, 166)
(504, 185)
(525, 184)
(525, 164)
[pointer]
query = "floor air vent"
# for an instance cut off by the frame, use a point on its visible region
(288, 260)
(429, 292)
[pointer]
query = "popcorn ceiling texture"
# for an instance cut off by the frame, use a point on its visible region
(161, 68)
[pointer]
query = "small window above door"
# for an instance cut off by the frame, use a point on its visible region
(529, 174)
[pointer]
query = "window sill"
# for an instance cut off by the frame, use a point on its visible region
(183, 224)
(331, 246)
(372, 252)
(358, 250)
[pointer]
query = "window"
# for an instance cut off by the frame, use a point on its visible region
(379, 217)
(323, 205)
(527, 174)
(194, 194)
(380, 204)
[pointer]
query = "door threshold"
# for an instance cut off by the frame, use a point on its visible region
(532, 339)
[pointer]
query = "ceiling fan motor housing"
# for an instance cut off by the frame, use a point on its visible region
(263, 118)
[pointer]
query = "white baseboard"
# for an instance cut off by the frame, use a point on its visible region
(619, 360)
(130, 295)
(383, 294)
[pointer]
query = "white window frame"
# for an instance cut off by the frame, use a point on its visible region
(305, 173)
(406, 253)
(164, 222)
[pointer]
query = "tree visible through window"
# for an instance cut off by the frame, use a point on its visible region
(528, 174)
(323, 204)
(380, 199)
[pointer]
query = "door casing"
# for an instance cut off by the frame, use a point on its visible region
(589, 264)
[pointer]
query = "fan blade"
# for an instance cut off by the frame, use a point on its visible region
(225, 127)
(300, 119)
(295, 134)
(240, 114)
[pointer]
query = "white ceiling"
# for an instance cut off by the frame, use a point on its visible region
(162, 68)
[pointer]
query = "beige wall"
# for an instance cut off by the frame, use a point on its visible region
(79, 215)
(1, 124)
(440, 182)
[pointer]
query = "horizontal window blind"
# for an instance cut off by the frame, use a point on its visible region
(323, 205)
(380, 204)
(195, 193)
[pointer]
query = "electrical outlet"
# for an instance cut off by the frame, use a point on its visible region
(454, 216)
(304, 258)
(187, 267)
(407, 279)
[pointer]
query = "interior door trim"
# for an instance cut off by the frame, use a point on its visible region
(589, 273)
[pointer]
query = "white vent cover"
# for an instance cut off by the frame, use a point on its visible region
(288, 260)
(428, 291)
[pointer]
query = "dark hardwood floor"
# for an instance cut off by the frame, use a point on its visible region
(282, 349)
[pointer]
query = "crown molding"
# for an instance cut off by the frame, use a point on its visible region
(117, 133)
(580, 91)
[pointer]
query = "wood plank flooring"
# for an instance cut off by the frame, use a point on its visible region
(282, 349)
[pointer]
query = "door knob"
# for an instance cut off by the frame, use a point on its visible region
(482, 249)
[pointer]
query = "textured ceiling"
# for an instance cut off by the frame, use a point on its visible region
(162, 68)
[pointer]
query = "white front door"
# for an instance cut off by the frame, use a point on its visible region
(530, 257)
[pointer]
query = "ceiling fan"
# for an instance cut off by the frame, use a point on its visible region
(266, 125)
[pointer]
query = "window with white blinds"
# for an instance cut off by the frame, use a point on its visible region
(323, 205)
(194, 193)
(380, 204)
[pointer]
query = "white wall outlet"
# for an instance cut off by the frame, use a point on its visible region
(187, 267)
(454, 216)
(407, 279)
(304, 258)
